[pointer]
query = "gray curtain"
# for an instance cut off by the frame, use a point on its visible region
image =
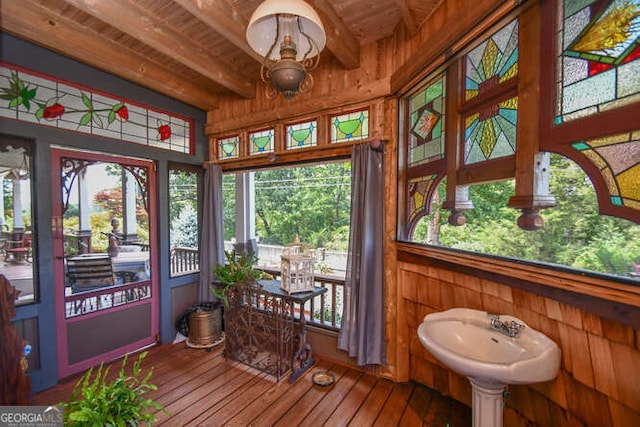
(212, 239)
(362, 327)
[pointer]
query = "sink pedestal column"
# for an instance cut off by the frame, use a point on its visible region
(487, 402)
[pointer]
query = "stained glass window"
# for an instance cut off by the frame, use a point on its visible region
(49, 101)
(302, 135)
(426, 123)
(228, 147)
(350, 127)
(491, 132)
(261, 141)
(598, 56)
(617, 159)
(418, 199)
(492, 62)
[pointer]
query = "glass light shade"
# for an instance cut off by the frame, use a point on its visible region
(261, 30)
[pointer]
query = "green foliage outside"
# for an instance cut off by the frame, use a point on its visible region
(106, 205)
(575, 234)
(184, 228)
(312, 202)
(122, 401)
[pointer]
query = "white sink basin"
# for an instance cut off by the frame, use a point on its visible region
(463, 340)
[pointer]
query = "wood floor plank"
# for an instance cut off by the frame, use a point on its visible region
(417, 408)
(372, 406)
(189, 401)
(395, 405)
(323, 409)
(348, 407)
(211, 394)
(296, 402)
(204, 419)
(200, 388)
(256, 412)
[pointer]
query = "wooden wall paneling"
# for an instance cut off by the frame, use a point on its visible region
(333, 87)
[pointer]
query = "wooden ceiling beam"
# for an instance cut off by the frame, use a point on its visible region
(222, 18)
(407, 17)
(342, 44)
(31, 21)
(138, 23)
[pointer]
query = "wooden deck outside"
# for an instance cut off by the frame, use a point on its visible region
(201, 388)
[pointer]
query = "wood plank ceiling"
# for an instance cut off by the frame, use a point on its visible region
(192, 50)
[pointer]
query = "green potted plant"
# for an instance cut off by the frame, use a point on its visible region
(120, 402)
(238, 269)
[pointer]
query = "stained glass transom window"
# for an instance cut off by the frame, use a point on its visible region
(617, 158)
(492, 62)
(228, 147)
(48, 101)
(491, 132)
(261, 142)
(598, 56)
(302, 135)
(426, 123)
(350, 127)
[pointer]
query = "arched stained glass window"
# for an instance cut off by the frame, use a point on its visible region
(617, 159)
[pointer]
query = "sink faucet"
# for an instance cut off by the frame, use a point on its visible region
(510, 329)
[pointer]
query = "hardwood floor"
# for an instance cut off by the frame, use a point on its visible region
(200, 388)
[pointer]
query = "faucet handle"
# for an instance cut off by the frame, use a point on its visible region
(514, 328)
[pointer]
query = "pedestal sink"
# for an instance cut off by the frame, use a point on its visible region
(470, 343)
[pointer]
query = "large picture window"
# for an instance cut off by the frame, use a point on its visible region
(463, 203)
(184, 183)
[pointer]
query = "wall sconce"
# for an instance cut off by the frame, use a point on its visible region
(289, 35)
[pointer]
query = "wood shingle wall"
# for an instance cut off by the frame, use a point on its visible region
(598, 383)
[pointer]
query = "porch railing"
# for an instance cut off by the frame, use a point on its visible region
(184, 260)
(324, 310)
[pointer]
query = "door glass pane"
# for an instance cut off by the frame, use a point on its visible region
(16, 232)
(106, 235)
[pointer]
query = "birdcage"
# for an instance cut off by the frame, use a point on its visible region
(296, 270)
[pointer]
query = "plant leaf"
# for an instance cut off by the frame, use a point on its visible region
(86, 118)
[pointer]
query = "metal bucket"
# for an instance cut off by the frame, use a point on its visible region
(205, 327)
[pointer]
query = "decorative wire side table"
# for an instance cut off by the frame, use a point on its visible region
(262, 329)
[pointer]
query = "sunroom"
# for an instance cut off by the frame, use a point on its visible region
(501, 141)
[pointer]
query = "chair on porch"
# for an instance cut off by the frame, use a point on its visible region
(18, 251)
(90, 272)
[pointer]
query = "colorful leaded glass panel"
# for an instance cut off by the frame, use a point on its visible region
(261, 142)
(228, 147)
(491, 132)
(302, 135)
(418, 196)
(598, 57)
(45, 100)
(426, 123)
(492, 62)
(350, 127)
(618, 159)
